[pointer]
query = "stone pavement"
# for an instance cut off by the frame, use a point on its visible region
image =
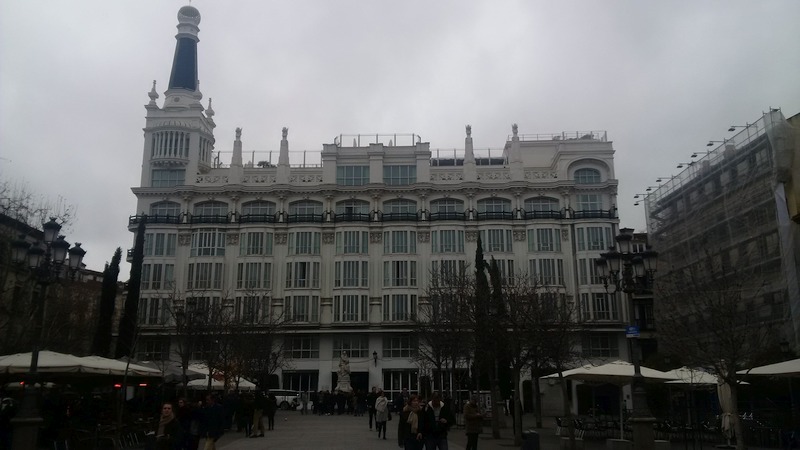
(296, 432)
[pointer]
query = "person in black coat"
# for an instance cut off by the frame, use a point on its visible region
(213, 422)
(436, 422)
(169, 435)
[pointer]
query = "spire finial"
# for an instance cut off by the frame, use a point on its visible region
(469, 130)
(153, 94)
(209, 110)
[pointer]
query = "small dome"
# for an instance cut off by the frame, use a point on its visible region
(189, 14)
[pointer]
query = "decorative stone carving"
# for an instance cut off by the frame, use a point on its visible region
(471, 236)
(266, 179)
(184, 239)
(540, 175)
(375, 237)
(519, 235)
(565, 234)
(308, 178)
(212, 179)
(232, 238)
(328, 237)
(447, 176)
(424, 236)
(280, 238)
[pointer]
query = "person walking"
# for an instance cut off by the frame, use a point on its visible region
(271, 408)
(169, 435)
(381, 413)
(408, 432)
(304, 403)
(473, 422)
(259, 404)
(436, 421)
(371, 397)
(213, 422)
(189, 420)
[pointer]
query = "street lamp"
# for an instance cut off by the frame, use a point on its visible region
(47, 265)
(629, 271)
(786, 350)
(375, 357)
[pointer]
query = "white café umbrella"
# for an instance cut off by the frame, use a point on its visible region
(726, 405)
(217, 384)
(782, 369)
(618, 372)
(61, 363)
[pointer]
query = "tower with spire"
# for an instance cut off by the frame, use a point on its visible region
(179, 134)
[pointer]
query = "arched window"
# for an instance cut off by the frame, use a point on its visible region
(165, 208)
(211, 208)
(493, 205)
(305, 207)
(542, 204)
(258, 208)
(447, 205)
(399, 206)
(352, 207)
(587, 176)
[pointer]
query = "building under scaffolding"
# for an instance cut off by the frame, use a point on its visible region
(729, 208)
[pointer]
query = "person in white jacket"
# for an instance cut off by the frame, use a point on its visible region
(381, 413)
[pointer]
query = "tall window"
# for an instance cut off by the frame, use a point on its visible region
(399, 175)
(305, 207)
(400, 206)
(352, 175)
(399, 347)
(204, 276)
(496, 240)
(352, 242)
(351, 274)
(544, 240)
(599, 306)
(255, 243)
(165, 209)
(208, 242)
(160, 244)
(447, 241)
(588, 202)
(587, 176)
(258, 208)
(447, 205)
(448, 270)
(254, 275)
(153, 311)
(211, 209)
(251, 309)
(302, 274)
(152, 349)
(588, 273)
(304, 243)
(547, 271)
(302, 347)
(158, 276)
(594, 238)
(302, 308)
(352, 207)
(541, 204)
(399, 307)
(168, 177)
(490, 205)
(600, 346)
(399, 273)
(350, 308)
(399, 242)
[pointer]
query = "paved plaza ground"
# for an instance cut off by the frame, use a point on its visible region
(311, 432)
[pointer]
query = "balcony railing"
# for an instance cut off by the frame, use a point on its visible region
(451, 215)
(352, 217)
(209, 218)
(258, 218)
(169, 218)
(501, 215)
(300, 218)
(544, 214)
(397, 217)
(595, 214)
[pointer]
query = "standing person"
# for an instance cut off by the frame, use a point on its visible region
(304, 403)
(371, 397)
(244, 415)
(189, 420)
(437, 420)
(270, 409)
(213, 426)
(473, 420)
(381, 413)
(408, 432)
(259, 404)
(169, 435)
(401, 400)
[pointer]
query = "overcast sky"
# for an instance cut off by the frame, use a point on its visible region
(661, 77)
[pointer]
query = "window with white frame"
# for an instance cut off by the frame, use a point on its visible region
(152, 349)
(541, 204)
(599, 306)
(350, 308)
(305, 207)
(153, 311)
(496, 240)
(547, 271)
(352, 175)
(352, 207)
(399, 307)
(399, 346)
(507, 271)
(302, 347)
(254, 275)
(399, 206)
(204, 275)
(258, 208)
(587, 176)
(544, 240)
(165, 208)
(352, 242)
(251, 309)
(158, 276)
(211, 208)
(168, 177)
(399, 175)
(588, 202)
(447, 205)
(447, 241)
(399, 242)
(588, 273)
(255, 243)
(594, 238)
(304, 243)
(494, 205)
(302, 308)
(351, 274)
(208, 242)
(302, 274)
(160, 244)
(448, 269)
(597, 345)
(399, 273)
(356, 346)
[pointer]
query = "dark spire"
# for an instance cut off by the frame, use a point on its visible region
(184, 64)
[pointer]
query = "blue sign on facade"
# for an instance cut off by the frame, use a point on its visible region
(632, 331)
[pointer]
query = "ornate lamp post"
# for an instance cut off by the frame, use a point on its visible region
(47, 265)
(628, 271)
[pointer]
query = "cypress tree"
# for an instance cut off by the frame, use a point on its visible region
(102, 336)
(127, 324)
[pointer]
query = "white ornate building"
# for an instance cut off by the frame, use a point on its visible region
(344, 248)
